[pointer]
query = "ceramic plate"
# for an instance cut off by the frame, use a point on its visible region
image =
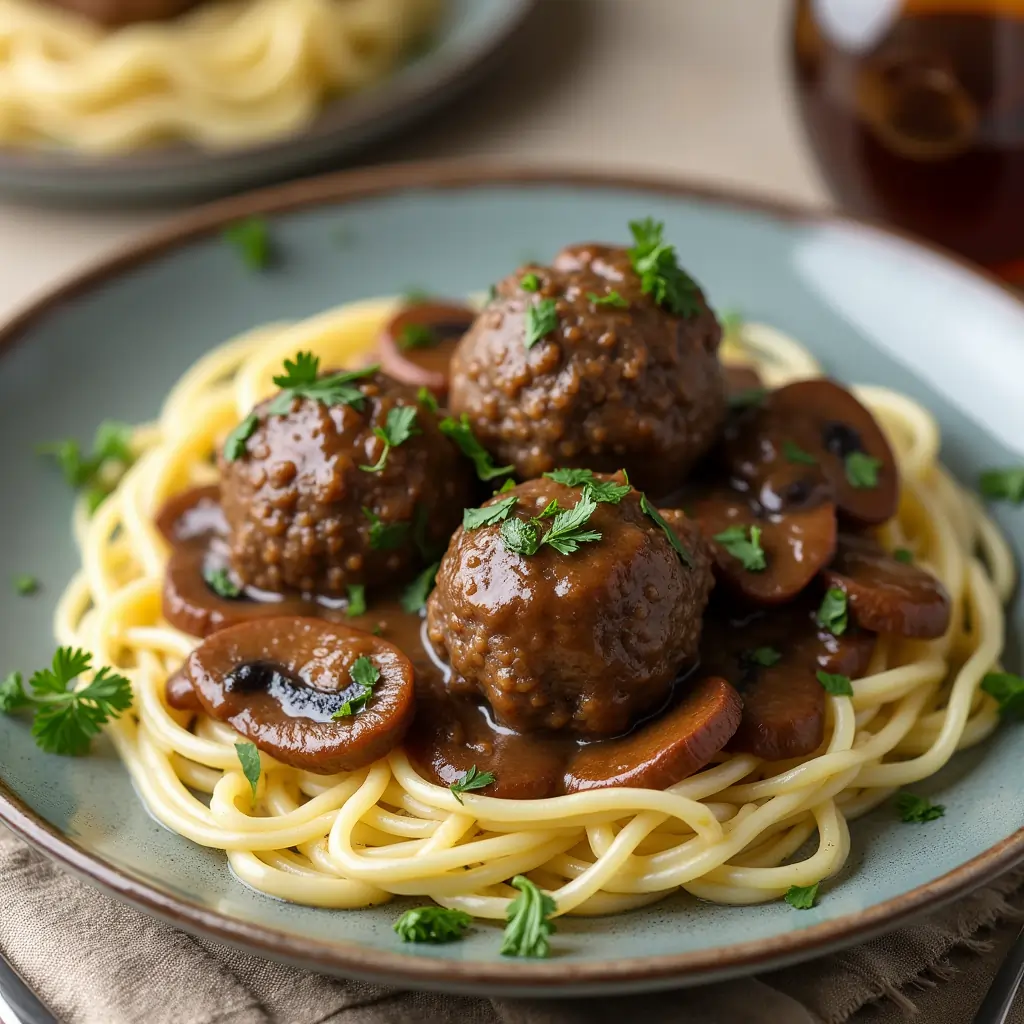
(872, 306)
(465, 45)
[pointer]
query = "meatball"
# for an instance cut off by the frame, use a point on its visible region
(126, 12)
(585, 642)
(618, 383)
(304, 514)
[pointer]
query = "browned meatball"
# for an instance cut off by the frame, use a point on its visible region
(304, 516)
(585, 642)
(127, 12)
(610, 386)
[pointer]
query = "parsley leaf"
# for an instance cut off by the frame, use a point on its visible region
(529, 283)
(1008, 690)
(567, 533)
(473, 779)
(661, 277)
(904, 555)
(427, 399)
(1002, 485)
(356, 600)
(571, 477)
(399, 426)
(541, 319)
(462, 434)
(602, 491)
(251, 240)
(862, 470)
(432, 924)
(794, 453)
(508, 485)
(747, 398)
(833, 614)
(234, 444)
(613, 298)
(474, 518)
(550, 509)
(364, 675)
(519, 537)
(745, 546)
(25, 585)
(766, 656)
(649, 510)
(917, 809)
(836, 684)
(802, 897)
(110, 446)
(301, 380)
(67, 719)
(249, 758)
(221, 583)
(385, 536)
(417, 336)
(414, 597)
(529, 927)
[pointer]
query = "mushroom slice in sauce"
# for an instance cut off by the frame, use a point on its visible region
(280, 682)
(192, 516)
(885, 595)
(416, 345)
(669, 747)
(797, 544)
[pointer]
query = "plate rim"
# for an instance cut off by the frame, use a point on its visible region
(551, 977)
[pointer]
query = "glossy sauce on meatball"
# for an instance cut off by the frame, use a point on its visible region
(585, 642)
(617, 382)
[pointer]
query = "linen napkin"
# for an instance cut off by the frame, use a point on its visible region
(94, 960)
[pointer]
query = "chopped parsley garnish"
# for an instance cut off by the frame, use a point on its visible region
(550, 509)
(862, 470)
(833, 614)
(529, 283)
(356, 600)
(765, 656)
(462, 434)
(25, 585)
(571, 477)
(301, 380)
(567, 533)
(427, 399)
(802, 897)
(1002, 485)
(649, 510)
(747, 398)
(474, 518)
(744, 545)
(917, 809)
(432, 924)
(221, 583)
(66, 719)
(110, 446)
(417, 336)
(234, 444)
(519, 536)
(834, 683)
(364, 674)
(399, 426)
(1008, 690)
(473, 779)
(661, 277)
(602, 491)
(528, 927)
(904, 555)
(613, 298)
(508, 485)
(250, 238)
(385, 536)
(541, 319)
(249, 758)
(794, 453)
(414, 597)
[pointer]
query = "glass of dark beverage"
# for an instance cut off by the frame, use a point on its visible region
(915, 110)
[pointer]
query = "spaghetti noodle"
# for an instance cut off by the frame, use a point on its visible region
(729, 833)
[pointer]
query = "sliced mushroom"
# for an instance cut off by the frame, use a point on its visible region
(797, 544)
(416, 346)
(665, 749)
(280, 682)
(192, 516)
(885, 595)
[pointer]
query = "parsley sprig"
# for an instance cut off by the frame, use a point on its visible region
(745, 546)
(301, 379)
(763, 656)
(802, 897)
(1002, 484)
(474, 518)
(917, 809)
(356, 600)
(66, 719)
(862, 470)
(250, 238)
(833, 613)
(541, 319)
(649, 510)
(661, 277)
(234, 443)
(473, 779)
(462, 434)
(1008, 690)
(613, 298)
(417, 336)
(364, 675)
(432, 924)
(835, 683)
(414, 597)
(220, 582)
(794, 453)
(90, 473)
(566, 533)
(529, 925)
(385, 536)
(602, 491)
(399, 426)
(249, 759)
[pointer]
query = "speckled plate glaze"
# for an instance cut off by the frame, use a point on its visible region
(465, 45)
(873, 306)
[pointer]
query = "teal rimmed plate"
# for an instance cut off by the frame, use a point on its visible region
(873, 306)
